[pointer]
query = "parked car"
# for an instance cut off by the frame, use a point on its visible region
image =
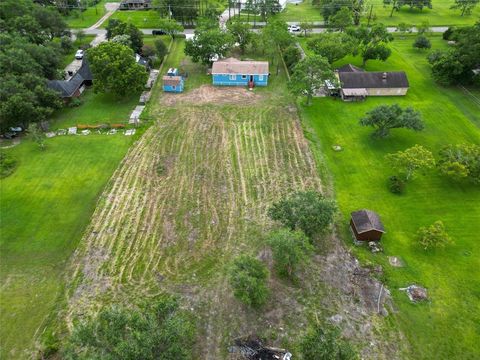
(79, 54)
(159, 32)
(16, 129)
(294, 28)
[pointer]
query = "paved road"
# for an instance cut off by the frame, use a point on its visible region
(435, 29)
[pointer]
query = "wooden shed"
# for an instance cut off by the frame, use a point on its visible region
(366, 225)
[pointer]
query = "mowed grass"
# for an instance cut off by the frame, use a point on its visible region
(84, 19)
(146, 19)
(45, 206)
(439, 15)
(445, 327)
(304, 11)
(96, 108)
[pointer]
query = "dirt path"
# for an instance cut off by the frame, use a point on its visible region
(111, 8)
(190, 195)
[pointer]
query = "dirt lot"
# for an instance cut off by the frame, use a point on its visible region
(208, 94)
(192, 194)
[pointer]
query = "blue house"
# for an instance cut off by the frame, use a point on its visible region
(172, 82)
(234, 72)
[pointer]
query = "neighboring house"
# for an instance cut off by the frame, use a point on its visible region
(75, 85)
(135, 5)
(366, 225)
(172, 82)
(357, 84)
(235, 72)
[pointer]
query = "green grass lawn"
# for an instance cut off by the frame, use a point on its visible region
(45, 206)
(70, 56)
(147, 19)
(446, 327)
(440, 14)
(84, 19)
(304, 11)
(96, 109)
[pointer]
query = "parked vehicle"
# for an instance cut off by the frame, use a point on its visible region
(294, 28)
(159, 32)
(16, 129)
(79, 54)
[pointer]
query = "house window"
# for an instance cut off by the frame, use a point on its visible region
(260, 77)
(233, 77)
(244, 77)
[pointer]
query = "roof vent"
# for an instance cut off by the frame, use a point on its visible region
(384, 76)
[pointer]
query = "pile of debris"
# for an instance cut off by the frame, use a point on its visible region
(252, 348)
(415, 293)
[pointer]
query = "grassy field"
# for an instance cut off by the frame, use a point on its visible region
(95, 109)
(147, 19)
(84, 19)
(45, 207)
(439, 15)
(447, 325)
(68, 58)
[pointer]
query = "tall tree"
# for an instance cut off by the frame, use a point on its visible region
(157, 330)
(465, 6)
(372, 42)
(342, 19)
(415, 4)
(386, 117)
(115, 69)
(309, 76)
(208, 44)
(328, 8)
(170, 26)
(333, 46)
(308, 211)
(411, 161)
(241, 33)
(117, 27)
(461, 161)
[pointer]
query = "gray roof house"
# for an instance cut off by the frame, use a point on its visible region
(74, 86)
(135, 4)
(358, 84)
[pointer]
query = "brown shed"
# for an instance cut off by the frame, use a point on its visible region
(366, 225)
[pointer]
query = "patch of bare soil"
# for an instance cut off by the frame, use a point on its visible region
(208, 94)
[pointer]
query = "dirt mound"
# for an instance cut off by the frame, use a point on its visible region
(207, 94)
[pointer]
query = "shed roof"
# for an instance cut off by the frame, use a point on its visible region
(172, 80)
(235, 66)
(355, 80)
(367, 220)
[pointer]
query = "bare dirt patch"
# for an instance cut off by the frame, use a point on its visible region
(208, 94)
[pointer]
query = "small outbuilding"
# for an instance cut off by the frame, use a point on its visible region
(366, 225)
(234, 72)
(173, 82)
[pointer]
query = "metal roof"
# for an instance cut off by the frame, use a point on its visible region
(235, 66)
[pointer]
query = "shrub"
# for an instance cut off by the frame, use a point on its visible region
(461, 161)
(159, 330)
(290, 249)
(308, 211)
(433, 236)
(325, 344)
(66, 44)
(7, 164)
(75, 102)
(148, 51)
(160, 48)
(292, 56)
(422, 42)
(248, 278)
(447, 34)
(396, 185)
